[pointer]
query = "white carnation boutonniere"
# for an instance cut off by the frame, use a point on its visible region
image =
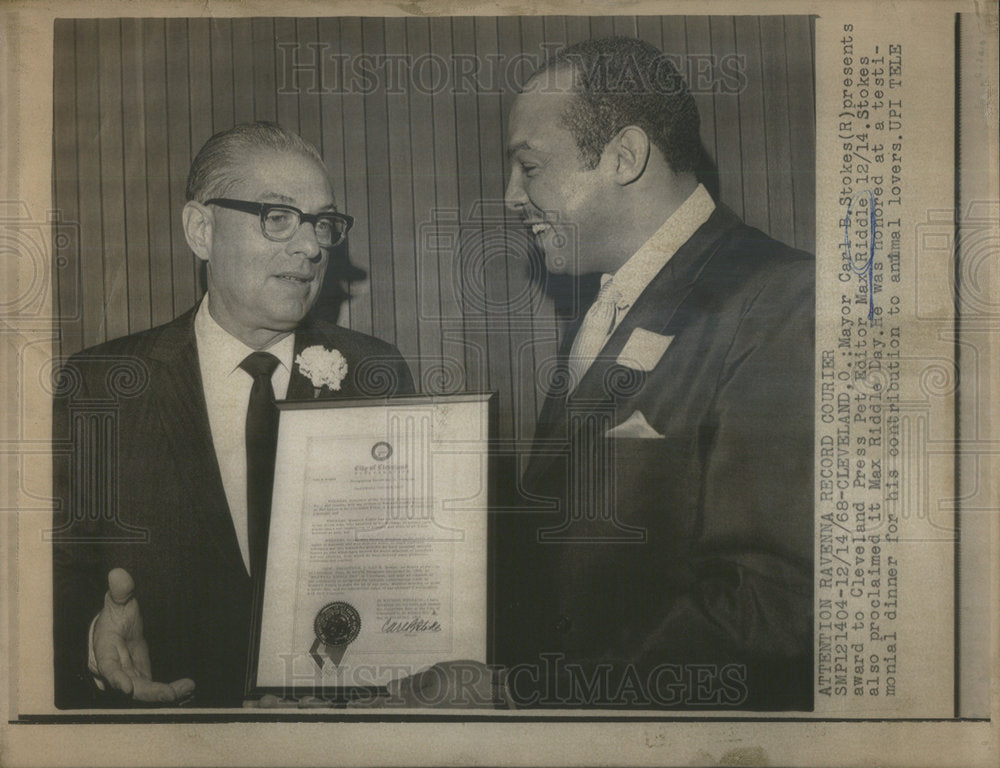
(324, 367)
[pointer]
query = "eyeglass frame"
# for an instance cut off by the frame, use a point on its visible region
(262, 209)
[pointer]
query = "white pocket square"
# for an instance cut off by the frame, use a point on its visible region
(634, 426)
(643, 350)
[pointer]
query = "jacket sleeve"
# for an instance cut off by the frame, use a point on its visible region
(77, 573)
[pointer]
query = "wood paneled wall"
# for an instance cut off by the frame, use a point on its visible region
(416, 151)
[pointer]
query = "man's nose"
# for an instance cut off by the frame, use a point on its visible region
(304, 242)
(515, 196)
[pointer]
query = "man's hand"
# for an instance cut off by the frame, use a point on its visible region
(121, 656)
(461, 684)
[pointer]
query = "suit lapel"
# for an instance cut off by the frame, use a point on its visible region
(654, 310)
(189, 434)
(299, 387)
(552, 415)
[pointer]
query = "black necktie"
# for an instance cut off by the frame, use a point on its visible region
(262, 437)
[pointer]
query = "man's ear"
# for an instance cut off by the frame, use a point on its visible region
(198, 222)
(631, 148)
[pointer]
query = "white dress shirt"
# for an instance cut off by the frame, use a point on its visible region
(227, 394)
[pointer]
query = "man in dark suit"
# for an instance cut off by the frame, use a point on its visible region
(674, 566)
(163, 500)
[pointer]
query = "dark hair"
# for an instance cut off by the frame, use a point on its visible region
(622, 81)
(216, 167)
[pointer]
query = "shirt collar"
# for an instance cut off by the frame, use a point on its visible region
(635, 274)
(224, 352)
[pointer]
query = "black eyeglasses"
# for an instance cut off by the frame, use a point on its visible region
(280, 222)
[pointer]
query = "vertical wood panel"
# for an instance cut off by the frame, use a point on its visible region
(433, 371)
(776, 124)
(541, 354)
(470, 273)
(493, 253)
(264, 54)
(157, 141)
(674, 33)
(179, 154)
(648, 28)
(200, 82)
(577, 28)
(116, 296)
(379, 191)
(243, 74)
(135, 174)
(65, 176)
(356, 180)
(554, 31)
(220, 60)
(89, 184)
(700, 76)
(602, 26)
(443, 234)
(403, 308)
(202, 114)
(798, 47)
(753, 141)
(310, 120)
(287, 100)
(331, 116)
(520, 260)
(623, 26)
(728, 152)
(331, 103)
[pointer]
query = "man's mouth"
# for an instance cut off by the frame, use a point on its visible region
(295, 278)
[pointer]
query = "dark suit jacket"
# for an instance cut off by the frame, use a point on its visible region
(677, 571)
(138, 487)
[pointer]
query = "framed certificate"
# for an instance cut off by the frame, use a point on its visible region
(377, 554)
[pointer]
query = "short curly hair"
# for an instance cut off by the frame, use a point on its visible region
(622, 81)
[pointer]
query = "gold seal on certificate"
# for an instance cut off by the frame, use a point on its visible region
(336, 626)
(376, 563)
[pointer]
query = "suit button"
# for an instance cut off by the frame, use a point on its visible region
(563, 624)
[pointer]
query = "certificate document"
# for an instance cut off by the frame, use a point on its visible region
(377, 555)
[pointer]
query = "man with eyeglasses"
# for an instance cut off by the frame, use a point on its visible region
(172, 513)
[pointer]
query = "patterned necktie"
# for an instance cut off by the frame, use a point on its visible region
(262, 437)
(597, 326)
